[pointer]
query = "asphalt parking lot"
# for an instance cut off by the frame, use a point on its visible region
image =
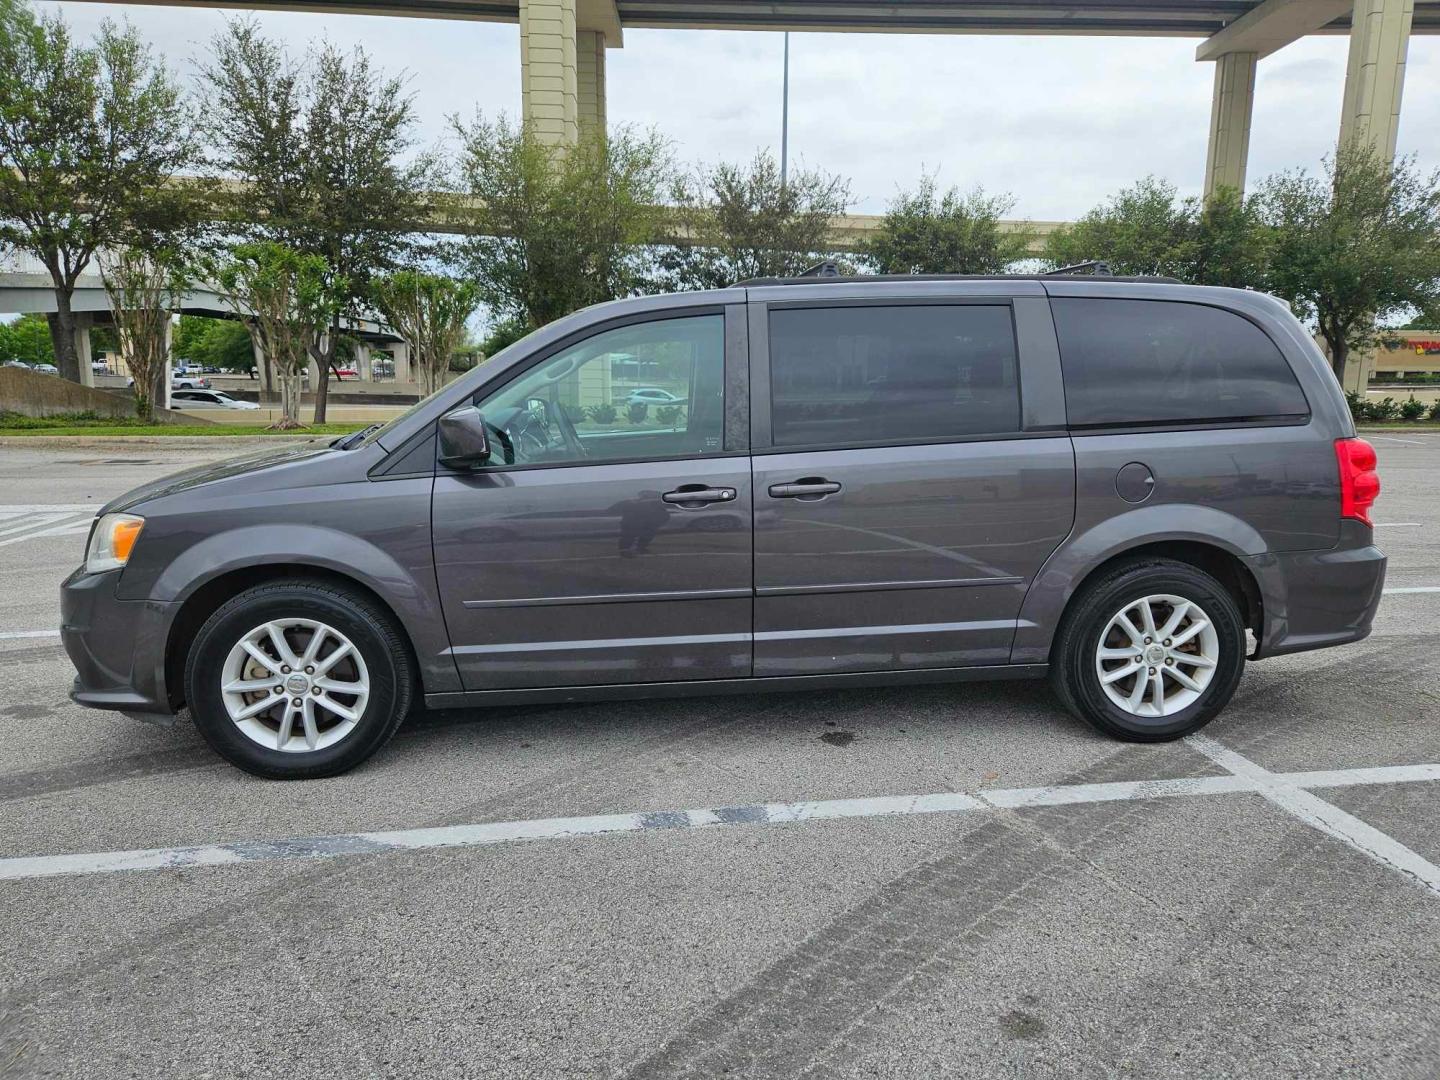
(935, 882)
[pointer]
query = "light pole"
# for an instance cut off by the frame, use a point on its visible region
(785, 113)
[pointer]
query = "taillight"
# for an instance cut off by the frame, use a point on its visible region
(1359, 482)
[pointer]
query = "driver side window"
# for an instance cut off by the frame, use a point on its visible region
(646, 391)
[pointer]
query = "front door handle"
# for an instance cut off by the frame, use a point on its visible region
(698, 496)
(807, 487)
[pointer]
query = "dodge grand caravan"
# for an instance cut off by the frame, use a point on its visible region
(1127, 485)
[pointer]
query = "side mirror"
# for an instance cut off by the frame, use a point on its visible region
(463, 439)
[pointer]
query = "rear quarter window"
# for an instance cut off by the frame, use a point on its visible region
(1146, 362)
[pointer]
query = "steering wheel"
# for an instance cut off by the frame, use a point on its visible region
(528, 434)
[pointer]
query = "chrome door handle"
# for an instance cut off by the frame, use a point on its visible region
(696, 496)
(807, 487)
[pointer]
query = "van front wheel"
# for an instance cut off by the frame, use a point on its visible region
(1151, 651)
(298, 679)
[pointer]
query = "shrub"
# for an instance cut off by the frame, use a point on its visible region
(1410, 409)
(1434, 413)
(1359, 410)
(576, 413)
(637, 412)
(603, 415)
(670, 415)
(1385, 409)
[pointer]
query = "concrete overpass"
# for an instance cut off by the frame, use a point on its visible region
(25, 287)
(563, 44)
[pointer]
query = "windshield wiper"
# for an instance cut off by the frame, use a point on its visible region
(345, 442)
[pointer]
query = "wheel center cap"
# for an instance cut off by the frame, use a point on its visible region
(1155, 654)
(297, 684)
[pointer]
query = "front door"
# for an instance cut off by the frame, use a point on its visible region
(610, 542)
(901, 511)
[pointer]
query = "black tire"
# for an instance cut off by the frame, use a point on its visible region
(1072, 668)
(371, 630)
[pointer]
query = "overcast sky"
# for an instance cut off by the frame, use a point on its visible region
(1059, 122)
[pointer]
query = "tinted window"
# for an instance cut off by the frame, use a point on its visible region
(851, 375)
(1149, 361)
(595, 401)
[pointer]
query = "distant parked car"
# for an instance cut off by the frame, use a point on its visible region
(99, 367)
(47, 369)
(652, 395)
(207, 399)
(189, 382)
(17, 363)
(346, 373)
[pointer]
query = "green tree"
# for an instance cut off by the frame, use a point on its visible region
(1355, 246)
(924, 232)
(429, 311)
(291, 299)
(736, 222)
(144, 289)
(502, 335)
(325, 153)
(221, 343)
(88, 137)
(562, 228)
(27, 339)
(1146, 229)
(1140, 230)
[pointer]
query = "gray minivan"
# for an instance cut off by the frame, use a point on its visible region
(1126, 484)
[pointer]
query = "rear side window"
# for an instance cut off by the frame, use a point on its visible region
(863, 374)
(1158, 362)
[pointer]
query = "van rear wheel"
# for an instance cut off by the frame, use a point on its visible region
(1151, 651)
(298, 679)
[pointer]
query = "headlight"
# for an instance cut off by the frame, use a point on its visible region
(112, 542)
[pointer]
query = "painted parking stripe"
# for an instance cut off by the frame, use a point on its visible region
(1242, 777)
(7, 509)
(1398, 524)
(1413, 589)
(1282, 790)
(23, 635)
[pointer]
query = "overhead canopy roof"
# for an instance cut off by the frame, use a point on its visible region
(1187, 18)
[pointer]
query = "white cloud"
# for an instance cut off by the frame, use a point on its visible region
(1060, 122)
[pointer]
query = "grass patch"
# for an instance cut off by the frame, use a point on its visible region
(13, 424)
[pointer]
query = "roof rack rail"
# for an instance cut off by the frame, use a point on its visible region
(1095, 267)
(822, 274)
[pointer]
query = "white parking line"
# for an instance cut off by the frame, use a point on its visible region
(19, 635)
(1284, 789)
(1397, 524)
(1412, 589)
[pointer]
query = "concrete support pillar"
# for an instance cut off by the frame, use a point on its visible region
(590, 80)
(547, 70)
(83, 322)
(401, 352)
(1375, 77)
(1230, 111)
(364, 362)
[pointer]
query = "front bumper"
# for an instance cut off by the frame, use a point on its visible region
(1316, 599)
(117, 646)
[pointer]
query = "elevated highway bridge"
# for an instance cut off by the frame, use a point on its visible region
(564, 43)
